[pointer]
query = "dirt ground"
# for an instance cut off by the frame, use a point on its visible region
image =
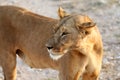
(106, 13)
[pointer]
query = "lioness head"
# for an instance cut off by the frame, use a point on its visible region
(71, 33)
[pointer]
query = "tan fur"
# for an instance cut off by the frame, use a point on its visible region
(25, 33)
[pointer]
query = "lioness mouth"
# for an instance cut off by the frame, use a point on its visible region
(55, 56)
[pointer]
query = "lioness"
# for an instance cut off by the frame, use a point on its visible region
(75, 48)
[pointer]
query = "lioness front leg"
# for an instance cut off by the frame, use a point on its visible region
(90, 76)
(9, 66)
(72, 67)
(69, 76)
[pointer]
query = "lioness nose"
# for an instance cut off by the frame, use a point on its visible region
(49, 48)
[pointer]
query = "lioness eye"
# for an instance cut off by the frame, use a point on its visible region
(64, 33)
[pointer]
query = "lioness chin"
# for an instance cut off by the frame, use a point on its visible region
(74, 50)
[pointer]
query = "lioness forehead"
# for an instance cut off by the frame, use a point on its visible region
(74, 19)
(71, 21)
(64, 20)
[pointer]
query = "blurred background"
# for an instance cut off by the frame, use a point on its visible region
(106, 13)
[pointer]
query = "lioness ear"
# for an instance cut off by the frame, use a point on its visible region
(62, 13)
(86, 27)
